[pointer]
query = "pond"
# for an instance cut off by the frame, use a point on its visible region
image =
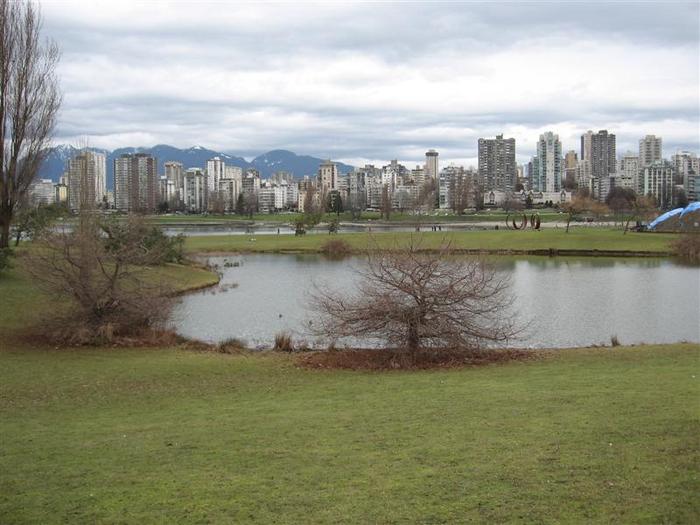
(566, 301)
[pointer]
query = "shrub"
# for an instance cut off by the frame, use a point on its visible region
(336, 248)
(97, 271)
(231, 346)
(687, 247)
(283, 343)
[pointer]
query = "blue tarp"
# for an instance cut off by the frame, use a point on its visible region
(693, 206)
(661, 218)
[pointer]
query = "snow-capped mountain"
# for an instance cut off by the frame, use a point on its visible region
(194, 157)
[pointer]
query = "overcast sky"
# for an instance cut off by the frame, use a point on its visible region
(371, 82)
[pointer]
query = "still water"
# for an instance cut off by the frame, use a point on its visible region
(566, 301)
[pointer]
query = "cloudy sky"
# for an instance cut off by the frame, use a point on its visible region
(371, 82)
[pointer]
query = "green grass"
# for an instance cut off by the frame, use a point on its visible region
(491, 240)
(169, 436)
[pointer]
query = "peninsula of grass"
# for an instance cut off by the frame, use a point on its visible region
(579, 241)
(23, 303)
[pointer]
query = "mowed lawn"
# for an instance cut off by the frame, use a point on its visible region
(174, 436)
(491, 240)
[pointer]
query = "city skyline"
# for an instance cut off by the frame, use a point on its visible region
(360, 83)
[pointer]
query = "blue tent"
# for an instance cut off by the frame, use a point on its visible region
(661, 218)
(693, 206)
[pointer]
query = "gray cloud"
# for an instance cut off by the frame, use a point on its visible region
(379, 81)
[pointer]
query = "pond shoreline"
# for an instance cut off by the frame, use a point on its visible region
(551, 252)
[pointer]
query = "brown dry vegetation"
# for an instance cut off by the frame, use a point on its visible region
(687, 247)
(396, 359)
(336, 248)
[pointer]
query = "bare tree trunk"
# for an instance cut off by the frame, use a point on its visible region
(4, 229)
(29, 102)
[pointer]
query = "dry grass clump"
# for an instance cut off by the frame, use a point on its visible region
(392, 359)
(283, 343)
(230, 346)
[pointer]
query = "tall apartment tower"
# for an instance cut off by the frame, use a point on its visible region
(87, 184)
(431, 164)
(598, 152)
(497, 167)
(175, 172)
(216, 169)
(328, 176)
(570, 167)
(649, 150)
(547, 164)
(135, 183)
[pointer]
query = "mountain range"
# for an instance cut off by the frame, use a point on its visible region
(194, 157)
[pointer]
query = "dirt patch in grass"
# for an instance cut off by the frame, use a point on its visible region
(364, 359)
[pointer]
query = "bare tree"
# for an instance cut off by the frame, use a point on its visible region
(99, 270)
(29, 102)
(415, 300)
(579, 204)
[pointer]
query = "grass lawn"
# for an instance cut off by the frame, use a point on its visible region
(576, 239)
(171, 436)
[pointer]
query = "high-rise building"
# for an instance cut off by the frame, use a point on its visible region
(546, 175)
(658, 182)
(431, 164)
(215, 172)
(570, 168)
(135, 183)
(328, 176)
(42, 192)
(687, 166)
(649, 150)
(598, 150)
(230, 186)
(628, 172)
(497, 167)
(87, 183)
(195, 190)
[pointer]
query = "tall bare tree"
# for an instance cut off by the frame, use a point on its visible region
(414, 300)
(29, 102)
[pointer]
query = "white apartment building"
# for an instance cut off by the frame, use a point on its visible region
(42, 192)
(658, 182)
(627, 175)
(650, 150)
(547, 164)
(215, 172)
